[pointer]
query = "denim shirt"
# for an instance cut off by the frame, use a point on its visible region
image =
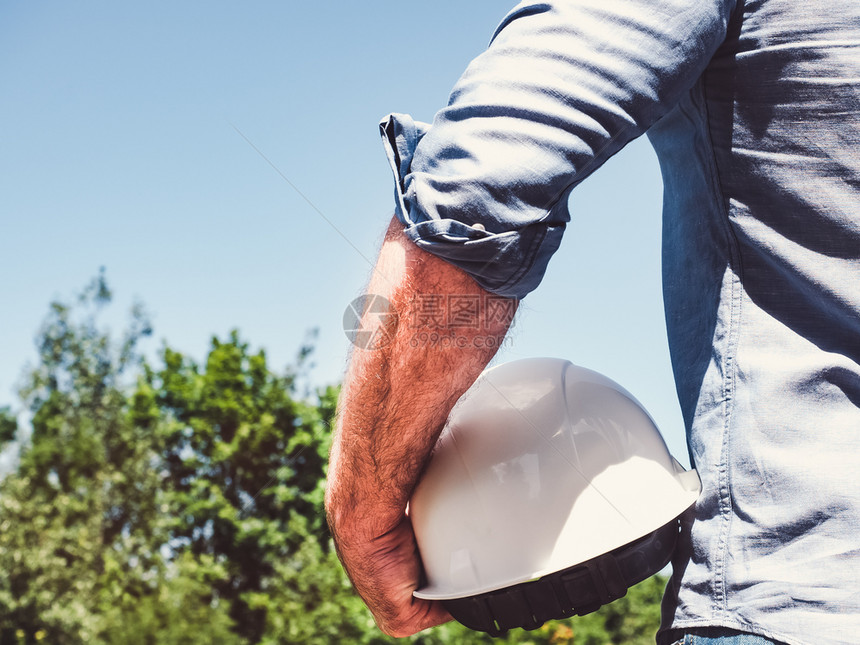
(754, 110)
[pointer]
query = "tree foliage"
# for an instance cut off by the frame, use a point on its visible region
(178, 502)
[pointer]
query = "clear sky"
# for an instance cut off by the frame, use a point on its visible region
(121, 145)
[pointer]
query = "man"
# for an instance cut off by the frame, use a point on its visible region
(754, 110)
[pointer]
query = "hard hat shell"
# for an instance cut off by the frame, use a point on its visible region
(542, 465)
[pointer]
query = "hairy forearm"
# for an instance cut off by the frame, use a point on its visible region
(396, 398)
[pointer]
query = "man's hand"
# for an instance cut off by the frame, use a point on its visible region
(394, 403)
(391, 565)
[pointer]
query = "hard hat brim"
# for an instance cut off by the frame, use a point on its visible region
(578, 590)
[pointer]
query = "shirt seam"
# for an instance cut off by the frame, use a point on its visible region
(729, 361)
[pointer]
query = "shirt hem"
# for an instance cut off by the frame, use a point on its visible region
(671, 634)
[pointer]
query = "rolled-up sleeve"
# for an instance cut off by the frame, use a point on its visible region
(562, 87)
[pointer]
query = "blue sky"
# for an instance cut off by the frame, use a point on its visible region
(120, 147)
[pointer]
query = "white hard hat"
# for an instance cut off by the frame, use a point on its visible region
(549, 493)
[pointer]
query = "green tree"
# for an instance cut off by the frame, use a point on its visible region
(179, 610)
(81, 520)
(244, 462)
(8, 427)
(83, 491)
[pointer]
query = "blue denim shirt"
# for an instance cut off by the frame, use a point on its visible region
(754, 110)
